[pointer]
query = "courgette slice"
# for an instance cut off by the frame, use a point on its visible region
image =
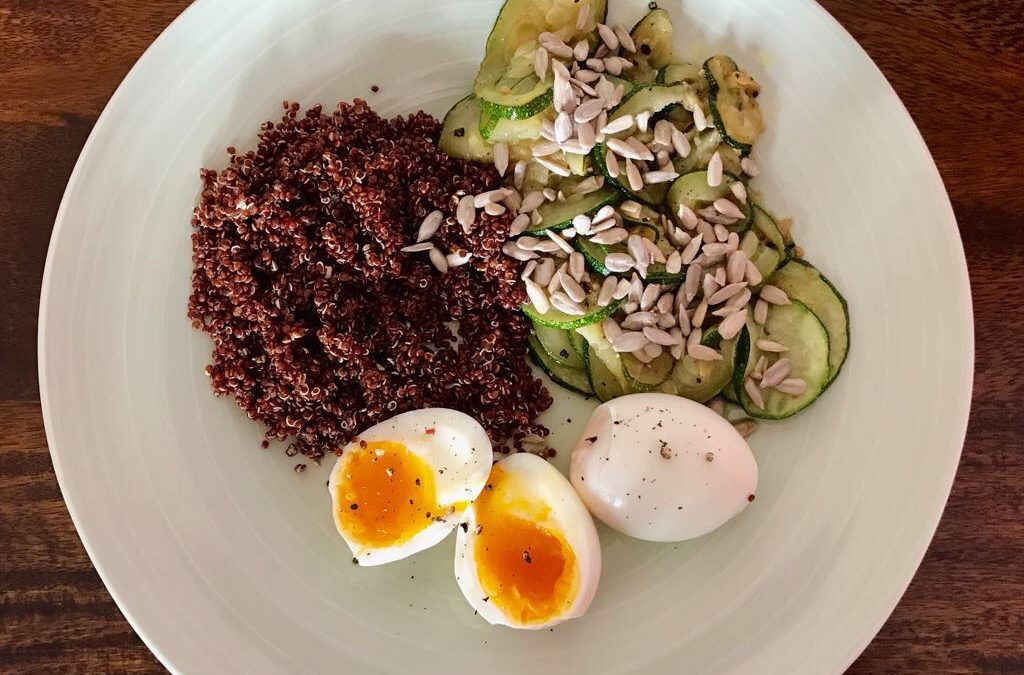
(765, 258)
(802, 281)
(704, 145)
(693, 191)
(766, 227)
(603, 364)
(653, 98)
(652, 36)
(732, 94)
(558, 215)
(648, 217)
(553, 318)
(681, 72)
(501, 130)
(460, 132)
(578, 343)
(701, 381)
(574, 379)
(797, 327)
(653, 195)
(506, 79)
(644, 377)
(555, 342)
(595, 254)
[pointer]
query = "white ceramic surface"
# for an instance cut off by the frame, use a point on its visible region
(224, 560)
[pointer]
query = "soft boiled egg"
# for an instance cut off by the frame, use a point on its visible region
(404, 484)
(662, 468)
(527, 555)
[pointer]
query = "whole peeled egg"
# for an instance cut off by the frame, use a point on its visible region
(662, 468)
(403, 485)
(527, 555)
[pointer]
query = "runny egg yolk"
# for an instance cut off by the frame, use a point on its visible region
(387, 494)
(527, 570)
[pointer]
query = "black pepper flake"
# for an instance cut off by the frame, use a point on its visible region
(591, 439)
(710, 457)
(417, 481)
(652, 6)
(526, 557)
(464, 526)
(354, 507)
(374, 89)
(645, 49)
(750, 498)
(265, 444)
(459, 133)
(355, 561)
(666, 451)
(428, 514)
(362, 444)
(299, 468)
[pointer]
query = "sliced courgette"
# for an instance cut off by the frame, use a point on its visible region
(765, 258)
(704, 145)
(648, 217)
(603, 364)
(571, 378)
(802, 281)
(681, 72)
(651, 194)
(733, 100)
(652, 36)
(553, 318)
(596, 253)
(558, 215)
(555, 342)
(501, 130)
(578, 343)
(460, 132)
(766, 227)
(797, 327)
(652, 98)
(643, 377)
(506, 79)
(693, 191)
(702, 380)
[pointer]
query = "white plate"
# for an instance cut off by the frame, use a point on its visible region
(224, 560)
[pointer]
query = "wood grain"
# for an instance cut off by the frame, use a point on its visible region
(959, 68)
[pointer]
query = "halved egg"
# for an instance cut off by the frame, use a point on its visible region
(404, 484)
(527, 555)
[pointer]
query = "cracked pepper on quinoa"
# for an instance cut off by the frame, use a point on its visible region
(321, 326)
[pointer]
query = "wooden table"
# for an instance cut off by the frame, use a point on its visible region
(958, 66)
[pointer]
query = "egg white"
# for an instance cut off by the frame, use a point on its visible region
(458, 451)
(662, 468)
(542, 483)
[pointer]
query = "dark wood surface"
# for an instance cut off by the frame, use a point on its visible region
(958, 66)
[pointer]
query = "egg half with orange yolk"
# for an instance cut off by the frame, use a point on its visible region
(405, 483)
(527, 555)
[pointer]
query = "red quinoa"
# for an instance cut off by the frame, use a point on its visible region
(321, 326)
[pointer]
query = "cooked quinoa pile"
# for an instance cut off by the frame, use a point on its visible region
(321, 325)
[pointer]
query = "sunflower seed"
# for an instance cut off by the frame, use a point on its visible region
(638, 320)
(727, 292)
(732, 325)
(625, 41)
(538, 297)
(613, 236)
(703, 353)
(774, 295)
(519, 174)
(586, 76)
(563, 127)
(608, 36)
(577, 265)
(653, 350)
(736, 268)
(553, 166)
(654, 252)
(758, 370)
(746, 427)
(761, 312)
(664, 161)
(749, 167)
(606, 224)
(559, 241)
(455, 260)
(610, 329)
(674, 263)
(439, 260)
(564, 303)
(683, 319)
(619, 262)
(500, 151)
(582, 16)
(717, 405)
(585, 134)
(642, 356)
(659, 337)
(642, 151)
(721, 233)
(493, 209)
(709, 285)
(739, 191)
(753, 275)
(663, 132)
(621, 289)
(550, 247)
(544, 149)
(602, 51)
(541, 58)
(643, 119)
(527, 243)
(636, 247)
(564, 96)
(572, 288)
(622, 149)
(636, 181)
(715, 170)
(693, 278)
(629, 341)
(754, 393)
(700, 120)
(553, 44)
(587, 111)
(574, 147)
(680, 143)
(510, 249)
(654, 177)
(604, 297)
(465, 214)
(720, 277)
(677, 351)
(687, 217)
(699, 314)
(666, 321)
(705, 229)
(581, 50)
(793, 386)
(549, 194)
(545, 270)
(618, 124)
(595, 64)
(650, 296)
(766, 345)
(636, 289)
(417, 248)
(740, 300)
(547, 130)
(690, 252)
(775, 373)
(429, 226)
(631, 208)
(519, 225)
(528, 270)
(716, 251)
(728, 208)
